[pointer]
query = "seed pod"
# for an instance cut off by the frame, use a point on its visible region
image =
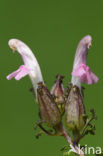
(49, 111)
(58, 92)
(74, 109)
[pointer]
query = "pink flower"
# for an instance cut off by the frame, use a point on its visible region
(30, 67)
(81, 72)
(85, 74)
(19, 73)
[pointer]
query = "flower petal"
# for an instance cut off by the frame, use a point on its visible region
(19, 73)
(85, 74)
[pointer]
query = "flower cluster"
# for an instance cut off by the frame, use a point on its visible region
(58, 101)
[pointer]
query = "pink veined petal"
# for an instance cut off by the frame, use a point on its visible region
(85, 74)
(80, 70)
(13, 74)
(19, 73)
(91, 77)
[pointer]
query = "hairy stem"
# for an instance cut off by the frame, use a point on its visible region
(84, 129)
(69, 140)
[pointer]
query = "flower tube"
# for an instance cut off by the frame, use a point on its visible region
(30, 67)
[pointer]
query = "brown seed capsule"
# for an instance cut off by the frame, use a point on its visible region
(58, 92)
(58, 89)
(49, 111)
(74, 109)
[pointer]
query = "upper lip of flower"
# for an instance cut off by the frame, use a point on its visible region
(30, 66)
(82, 51)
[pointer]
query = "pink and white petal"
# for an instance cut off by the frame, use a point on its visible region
(83, 78)
(23, 72)
(85, 74)
(19, 73)
(91, 78)
(13, 74)
(79, 72)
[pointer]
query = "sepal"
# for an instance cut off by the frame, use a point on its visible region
(74, 109)
(49, 111)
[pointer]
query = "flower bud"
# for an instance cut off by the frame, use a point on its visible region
(58, 92)
(74, 109)
(49, 111)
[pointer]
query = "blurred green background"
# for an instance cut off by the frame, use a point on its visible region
(52, 29)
